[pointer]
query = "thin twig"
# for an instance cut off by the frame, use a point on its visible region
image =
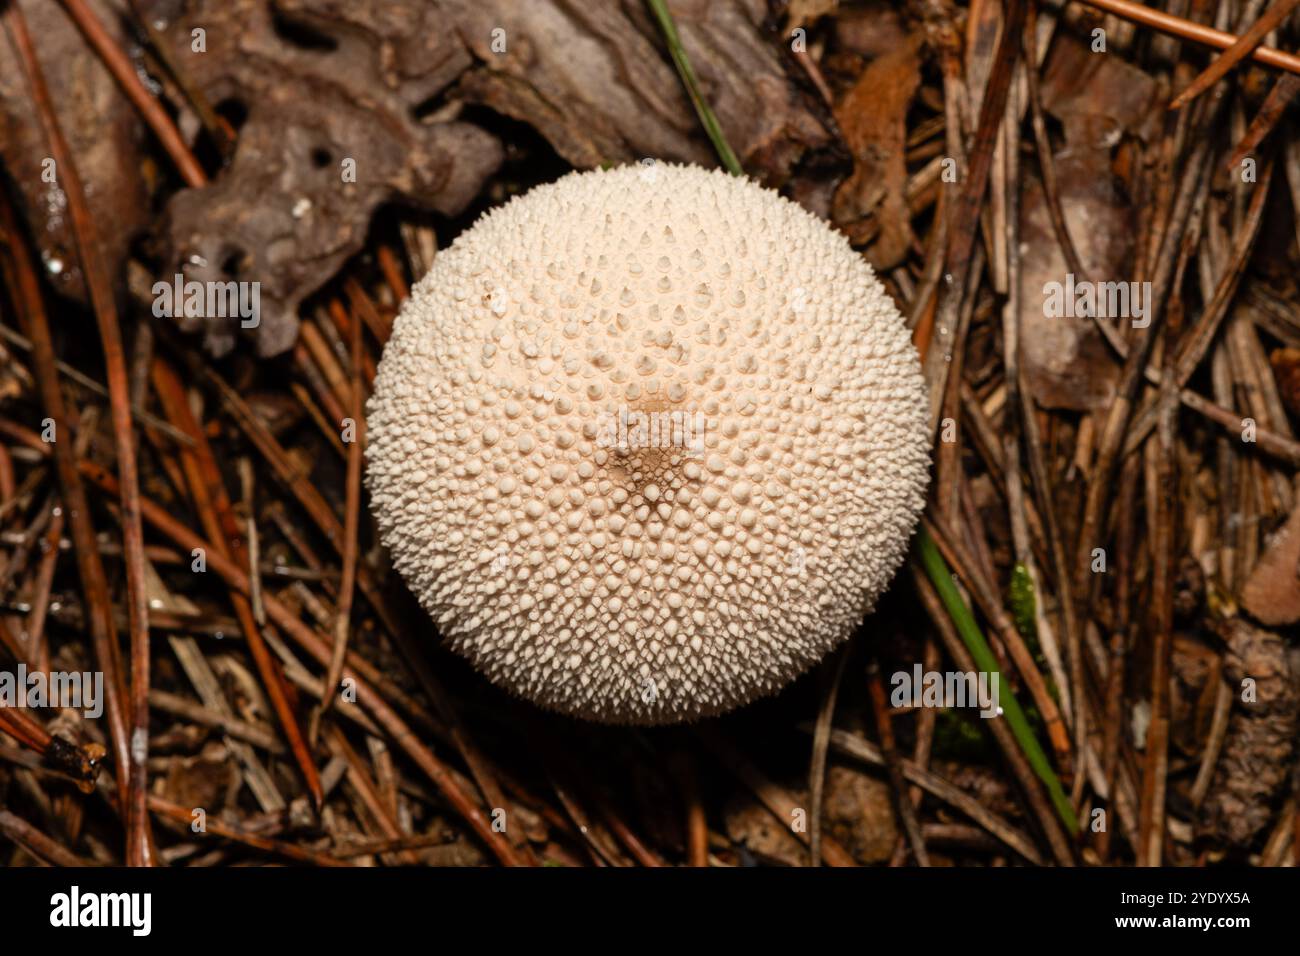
(1196, 32)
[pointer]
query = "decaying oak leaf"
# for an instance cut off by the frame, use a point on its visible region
(594, 80)
(1255, 764)
(333, 94)
(1272, 592)
(871, 205)
(1067, 363)
(102, 131)
(1098, 99)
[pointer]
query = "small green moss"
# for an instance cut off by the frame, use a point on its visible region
(1024, 606)
(956, 738)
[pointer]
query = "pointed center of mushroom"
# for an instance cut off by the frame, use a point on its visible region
(648, 439)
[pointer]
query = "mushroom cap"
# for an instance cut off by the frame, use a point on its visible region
(647, 443)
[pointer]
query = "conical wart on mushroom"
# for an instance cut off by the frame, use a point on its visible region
(647, 443)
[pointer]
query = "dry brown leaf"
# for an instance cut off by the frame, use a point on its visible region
(333, 130)
(1272, 592)
(1098, 99)
(871, 116)
(1066, 362)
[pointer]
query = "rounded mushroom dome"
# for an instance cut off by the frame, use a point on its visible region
(647, 443)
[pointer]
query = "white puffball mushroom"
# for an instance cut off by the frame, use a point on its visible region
(647, 443)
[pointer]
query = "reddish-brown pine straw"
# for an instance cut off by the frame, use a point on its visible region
(20, 276)
(365, 787)
(352, 522)
(23, 729)
(139, 842)
(316, 508)
(157, 119)
(1196, 32)
(237, 834)
(316, 646)
(217, 517)
(319, 649)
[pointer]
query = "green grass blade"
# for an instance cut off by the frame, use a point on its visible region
(678, 53)
(941, 577)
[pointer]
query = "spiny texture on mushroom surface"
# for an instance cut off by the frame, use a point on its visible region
(647, 443)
